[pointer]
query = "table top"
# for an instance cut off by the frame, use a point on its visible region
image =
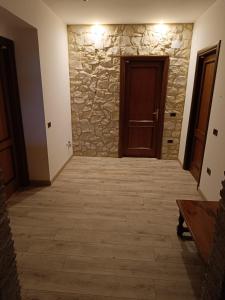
(200, 218)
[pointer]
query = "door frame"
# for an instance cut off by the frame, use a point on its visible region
(123, 60)
(14, 108)
(195, 105)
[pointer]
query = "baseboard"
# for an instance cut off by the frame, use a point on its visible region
(57, 174)
(181, 164)
(40, 183)
(202, 194)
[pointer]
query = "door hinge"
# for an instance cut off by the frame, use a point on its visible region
(156, 114)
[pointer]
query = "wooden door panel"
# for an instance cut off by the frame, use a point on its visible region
(7, 165)
(141, 87)
(203, 115)
(4, 130)
(141, 138)
(197, 158)
(7, 146)
(209, 68)
(143, 97)
(201, 106)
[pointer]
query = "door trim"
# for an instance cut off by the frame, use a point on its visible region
(165, 60)
(195, 105)
(16, 115)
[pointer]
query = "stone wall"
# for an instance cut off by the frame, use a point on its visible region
(95, 81)
(214, 285)
(9, 283)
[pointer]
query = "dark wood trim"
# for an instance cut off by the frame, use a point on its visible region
(40, 183)
(195, 104)
(15, 112)
(165, 60)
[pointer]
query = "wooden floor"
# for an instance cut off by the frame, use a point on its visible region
(106, 230)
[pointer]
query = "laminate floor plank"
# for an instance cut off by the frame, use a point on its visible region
(106, 230)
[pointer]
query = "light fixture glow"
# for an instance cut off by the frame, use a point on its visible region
(98, 30)
(161, 28)
(98, 34)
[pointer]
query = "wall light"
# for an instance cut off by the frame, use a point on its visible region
(161, 30)
(98, 31)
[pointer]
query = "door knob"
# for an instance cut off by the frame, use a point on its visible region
(156, 114)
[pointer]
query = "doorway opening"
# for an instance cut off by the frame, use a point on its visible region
(142, 104)
(13, 160)
(205, 75)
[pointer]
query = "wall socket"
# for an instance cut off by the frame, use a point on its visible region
(215, 132)
(170, 141)
(69, 144)
(209, 172)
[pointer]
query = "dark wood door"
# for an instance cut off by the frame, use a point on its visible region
(205, 75)
(143, 93)
(7, 157)
(200, 132)
(12, 148)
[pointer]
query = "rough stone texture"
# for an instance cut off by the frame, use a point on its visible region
(214, 285)
(95, 82)
(9, 283)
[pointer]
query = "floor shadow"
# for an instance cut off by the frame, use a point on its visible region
(25, 193)
(193, 259)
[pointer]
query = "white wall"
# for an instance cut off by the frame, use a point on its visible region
(208, 30)
(53, 50)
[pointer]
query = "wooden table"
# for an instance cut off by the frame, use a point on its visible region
(199, 217)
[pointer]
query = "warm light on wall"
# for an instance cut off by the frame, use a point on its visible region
(161, 29)
(98, 34)
(98, 30)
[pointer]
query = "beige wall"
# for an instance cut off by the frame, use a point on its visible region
(208, 30)
(53, 50)
(95, 76)
(30, 90)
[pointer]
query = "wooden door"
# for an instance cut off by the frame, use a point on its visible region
(201, 107)
(12, 148)
(7, 157)
(143, 89)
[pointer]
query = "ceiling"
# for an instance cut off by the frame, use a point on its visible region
(128, 11)
(10, 21)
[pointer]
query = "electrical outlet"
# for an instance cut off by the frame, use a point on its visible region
(170, 141)
(215, 132)
(209, 172)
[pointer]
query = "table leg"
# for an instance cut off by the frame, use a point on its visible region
(180, 227)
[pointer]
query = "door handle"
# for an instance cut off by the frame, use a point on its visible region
(156, 114)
